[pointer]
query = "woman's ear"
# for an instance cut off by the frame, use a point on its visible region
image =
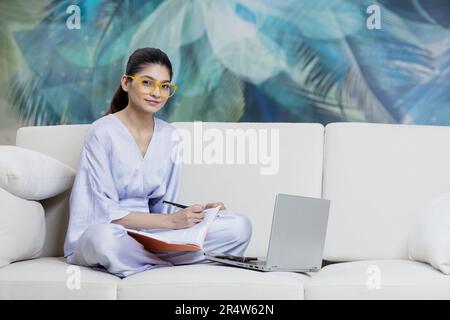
(124, 83)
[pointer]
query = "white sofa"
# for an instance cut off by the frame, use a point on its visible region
(378, 177)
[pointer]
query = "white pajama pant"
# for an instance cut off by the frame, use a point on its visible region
(108, 246)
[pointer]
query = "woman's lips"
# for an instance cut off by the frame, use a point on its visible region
(152, 102)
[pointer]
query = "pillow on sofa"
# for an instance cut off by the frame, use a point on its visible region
(22, 228)
(33, 175)
(429, 240)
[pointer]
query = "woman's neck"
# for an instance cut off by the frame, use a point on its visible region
(140, 122)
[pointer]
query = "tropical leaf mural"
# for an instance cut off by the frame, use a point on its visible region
(234, 60)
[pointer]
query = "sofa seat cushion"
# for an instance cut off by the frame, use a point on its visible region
(53, 278)
(378, 279)
(210, 281)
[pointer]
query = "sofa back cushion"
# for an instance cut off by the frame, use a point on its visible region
(296, 152)
(287, 158)
(379, 178)
(64, 143)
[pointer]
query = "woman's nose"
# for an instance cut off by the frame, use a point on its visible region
(156, 92)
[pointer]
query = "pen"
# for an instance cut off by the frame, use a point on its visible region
(175, 204)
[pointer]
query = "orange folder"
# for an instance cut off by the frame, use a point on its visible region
(190, 239)
(155, 245)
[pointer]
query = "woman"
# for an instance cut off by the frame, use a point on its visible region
(127, 170)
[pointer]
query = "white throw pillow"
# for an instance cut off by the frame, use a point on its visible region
(33, 175)
(22, 228)
(429, 240)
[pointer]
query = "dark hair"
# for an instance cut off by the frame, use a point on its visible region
(137, 62)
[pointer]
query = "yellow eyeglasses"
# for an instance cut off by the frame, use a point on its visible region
(148, 86)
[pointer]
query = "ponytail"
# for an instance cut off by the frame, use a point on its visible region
(119, 101)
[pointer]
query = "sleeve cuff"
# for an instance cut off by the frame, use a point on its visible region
(117, 213)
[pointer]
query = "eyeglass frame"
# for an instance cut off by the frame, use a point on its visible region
(155, 83)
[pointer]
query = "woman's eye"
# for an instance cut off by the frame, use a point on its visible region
(165, 86)
(146, 83)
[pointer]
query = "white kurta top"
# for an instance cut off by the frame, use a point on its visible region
(114, 179)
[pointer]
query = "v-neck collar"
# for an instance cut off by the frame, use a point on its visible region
(142, 157)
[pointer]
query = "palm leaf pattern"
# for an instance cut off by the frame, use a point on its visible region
(237, 60)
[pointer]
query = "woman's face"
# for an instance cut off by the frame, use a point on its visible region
(145, 94)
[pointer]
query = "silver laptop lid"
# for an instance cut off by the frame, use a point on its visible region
(297, 237)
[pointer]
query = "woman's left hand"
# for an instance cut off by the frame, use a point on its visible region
(215, 204)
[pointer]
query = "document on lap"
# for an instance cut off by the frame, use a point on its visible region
(188, 239)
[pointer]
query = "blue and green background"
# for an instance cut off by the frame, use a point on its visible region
(234, 60)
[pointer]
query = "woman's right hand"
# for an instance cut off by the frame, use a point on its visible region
(187, 217)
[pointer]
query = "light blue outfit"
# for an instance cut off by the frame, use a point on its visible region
(114, 179)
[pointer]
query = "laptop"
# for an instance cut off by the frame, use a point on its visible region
(297, 237)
